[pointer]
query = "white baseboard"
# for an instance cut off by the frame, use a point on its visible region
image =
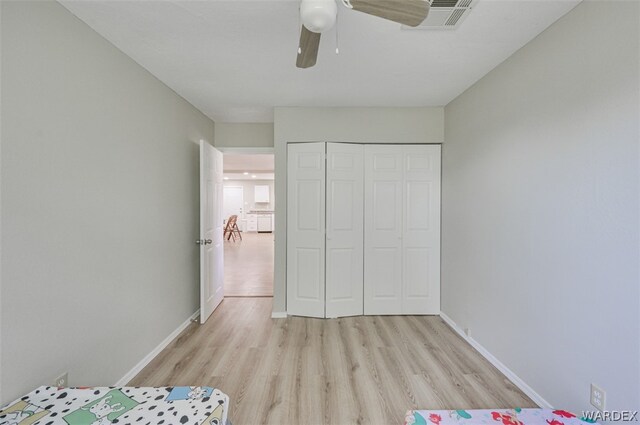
(279, 315)
(537, 398)
(147, 359)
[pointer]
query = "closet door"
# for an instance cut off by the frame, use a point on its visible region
(305, 229)
(344, 239)
(383, 229)
(421, 230)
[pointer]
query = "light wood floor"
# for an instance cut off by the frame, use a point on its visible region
(361, 370)
(248, 266)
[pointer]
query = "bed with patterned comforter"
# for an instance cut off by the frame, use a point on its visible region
(494, 417)
(118, 405)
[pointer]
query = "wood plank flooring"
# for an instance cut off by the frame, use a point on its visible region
(360, 370)
(248, 266)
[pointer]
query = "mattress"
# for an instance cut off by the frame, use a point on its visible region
(121, 405)
(494, 417)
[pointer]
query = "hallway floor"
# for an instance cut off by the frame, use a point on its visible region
(248, 266)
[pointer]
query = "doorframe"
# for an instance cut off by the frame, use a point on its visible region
(268, 150)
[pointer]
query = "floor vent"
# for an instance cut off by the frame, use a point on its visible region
(445, 14)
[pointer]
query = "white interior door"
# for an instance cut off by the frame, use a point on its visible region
(233, 201)
(383, 229)
(306, 229)
(211, 242)
(344, 239)
(421, 230)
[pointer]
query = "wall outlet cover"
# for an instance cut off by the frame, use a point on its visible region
(598, 397)
(62, 380)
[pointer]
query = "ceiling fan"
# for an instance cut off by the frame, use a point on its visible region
(319, 15)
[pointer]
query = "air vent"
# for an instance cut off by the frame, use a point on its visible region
(445, 14)
(444, 3)
(455, 17)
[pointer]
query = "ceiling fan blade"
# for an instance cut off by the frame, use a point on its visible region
(406, 12)
(308, 53)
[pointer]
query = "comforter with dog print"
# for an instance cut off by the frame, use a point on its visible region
(118, 405)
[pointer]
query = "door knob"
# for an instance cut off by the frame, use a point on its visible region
(199, 242)
(207, 241)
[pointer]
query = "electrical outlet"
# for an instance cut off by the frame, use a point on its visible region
(62, 380)
(598, 397)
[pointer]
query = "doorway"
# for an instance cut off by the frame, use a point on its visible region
(248, 193)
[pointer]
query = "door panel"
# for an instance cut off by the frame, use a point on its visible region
(344, 240)
(416, 265)
(233, 203)
(341, 283)
(211, 252)
(421, 230)
(386, 198)
(309, 269)
(309, 193)
(385, 265)
(305, 229)
(383, 229)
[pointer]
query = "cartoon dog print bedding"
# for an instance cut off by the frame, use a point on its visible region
(122, 405)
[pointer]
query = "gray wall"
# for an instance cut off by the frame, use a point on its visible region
(362, 125)
(100, 203)
(1, 132)
(540, 209)
(244, 135)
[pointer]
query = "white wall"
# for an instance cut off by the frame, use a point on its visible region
(1, 397)
(540, 237)
(248, 187)
(244, 135)
(100, 203)
(361, 125)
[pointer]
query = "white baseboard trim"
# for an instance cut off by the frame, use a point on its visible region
(279, 315)
(537, 398)
(147, 359)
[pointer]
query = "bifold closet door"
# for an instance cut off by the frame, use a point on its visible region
(383, 229)
(306, 229)
(402, 229)
(421, 230)
(345, 226)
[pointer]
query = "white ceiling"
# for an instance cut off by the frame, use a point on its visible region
(235, 60)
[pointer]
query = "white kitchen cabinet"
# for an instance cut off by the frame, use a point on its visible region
(264, 223)
(252, 223)
(261, 193)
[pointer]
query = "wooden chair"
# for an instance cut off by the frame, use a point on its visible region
(231, 229)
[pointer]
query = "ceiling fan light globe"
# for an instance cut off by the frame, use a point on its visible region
(318, 15)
